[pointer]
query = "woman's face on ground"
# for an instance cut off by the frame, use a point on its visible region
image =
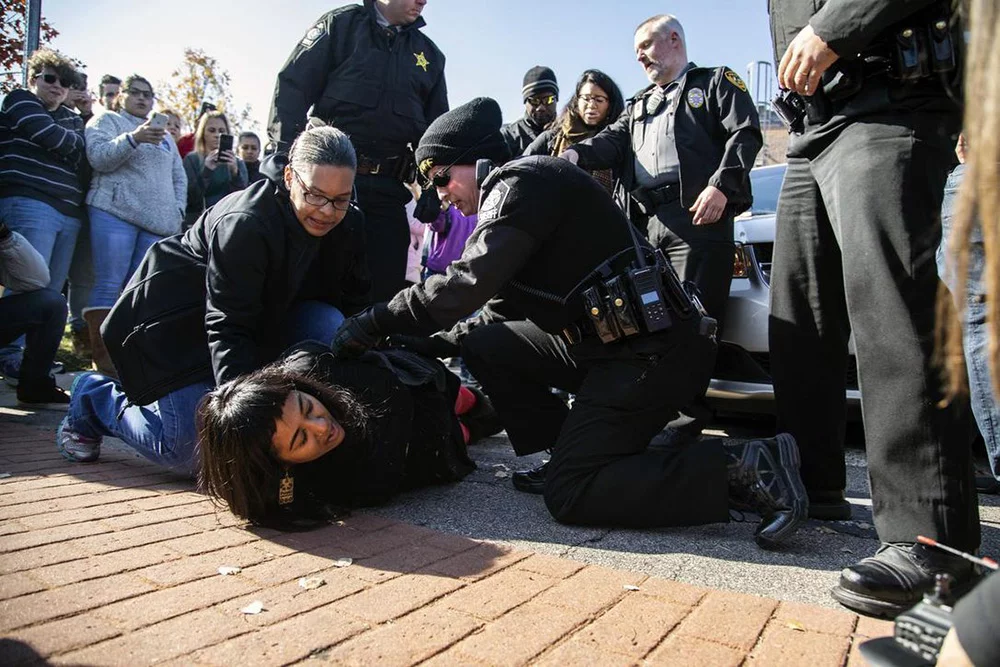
(305, 430)
(214, 128)
(592, 103)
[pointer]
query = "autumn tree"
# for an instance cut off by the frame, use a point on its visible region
(13, 22)
(199, 78)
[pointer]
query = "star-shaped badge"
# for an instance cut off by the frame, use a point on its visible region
(421, 60)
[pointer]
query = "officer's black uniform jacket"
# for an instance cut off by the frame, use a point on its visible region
(383, 91)
(544, 226)
(211, 304)
(850, 28)
(520, 134)
(717, 139)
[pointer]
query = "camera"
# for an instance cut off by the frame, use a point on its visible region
(919, 632)
(791, 108)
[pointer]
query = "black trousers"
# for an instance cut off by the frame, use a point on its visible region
(387, 232)
(858, 225)
(601, 470)
(703, 255)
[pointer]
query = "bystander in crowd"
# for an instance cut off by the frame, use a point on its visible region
(41, 191)
(212, 172)
(137, 197)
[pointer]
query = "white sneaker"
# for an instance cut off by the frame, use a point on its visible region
(76, 447)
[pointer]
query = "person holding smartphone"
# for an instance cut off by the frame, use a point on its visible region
(213, 170)
(137, 196)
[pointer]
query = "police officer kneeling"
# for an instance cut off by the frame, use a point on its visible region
(552, 245)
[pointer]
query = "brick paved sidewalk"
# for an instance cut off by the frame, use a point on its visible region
(117, 563)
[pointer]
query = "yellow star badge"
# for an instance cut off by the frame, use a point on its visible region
(421, 60)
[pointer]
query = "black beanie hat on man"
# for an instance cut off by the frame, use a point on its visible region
(463, 135)
(538, 79)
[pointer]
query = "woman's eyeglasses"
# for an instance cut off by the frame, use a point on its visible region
(147, 94)
(318, 200)
(52, 79)
(596, 99)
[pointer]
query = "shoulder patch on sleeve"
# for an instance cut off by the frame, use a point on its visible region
(735, 79)
(493, 204)
(313, 35)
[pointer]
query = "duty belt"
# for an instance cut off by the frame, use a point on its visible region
(652, 198)
(386, 166)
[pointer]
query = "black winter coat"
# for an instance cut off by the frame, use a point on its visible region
(211, 304)
(381, 87)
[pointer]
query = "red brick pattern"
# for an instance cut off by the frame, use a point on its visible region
(116, 563)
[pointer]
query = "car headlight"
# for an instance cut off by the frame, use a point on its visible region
(742, 262)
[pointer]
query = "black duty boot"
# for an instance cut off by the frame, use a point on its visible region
(896, 578)
(829, 506)
(764, 479)
(531, 480)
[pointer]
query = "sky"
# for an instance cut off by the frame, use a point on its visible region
(488, 44)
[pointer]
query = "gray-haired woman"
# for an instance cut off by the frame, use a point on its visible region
(273, 265)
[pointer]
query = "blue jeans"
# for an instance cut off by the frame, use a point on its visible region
(117, 248)
(164, 431)
(49, 232)
(975, 335)
(81, 278)
(312, 320)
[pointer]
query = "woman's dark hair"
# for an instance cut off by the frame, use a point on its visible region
(616, 103)
(236, 422)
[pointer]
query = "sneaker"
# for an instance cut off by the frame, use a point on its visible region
(764, 479)
(76, 447)
(10, 369)
(47, 396)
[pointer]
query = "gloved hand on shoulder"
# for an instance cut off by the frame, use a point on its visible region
(356, 335)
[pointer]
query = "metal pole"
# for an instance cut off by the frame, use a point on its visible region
(32, 29)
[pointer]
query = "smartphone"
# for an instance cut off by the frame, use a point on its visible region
(225, 143)
(159, 120)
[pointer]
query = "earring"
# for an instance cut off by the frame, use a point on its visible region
(286, 489)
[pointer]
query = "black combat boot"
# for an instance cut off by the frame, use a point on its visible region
(764, 479)
(896, 578)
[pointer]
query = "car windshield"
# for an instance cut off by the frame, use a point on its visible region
(766, 184)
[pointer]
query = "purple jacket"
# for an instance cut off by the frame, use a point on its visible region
(451, 230)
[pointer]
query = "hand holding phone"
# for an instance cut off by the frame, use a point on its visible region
(159, 120)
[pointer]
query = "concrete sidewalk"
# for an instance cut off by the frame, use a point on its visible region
(118, 563)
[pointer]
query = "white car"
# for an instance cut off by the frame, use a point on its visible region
(742, 381)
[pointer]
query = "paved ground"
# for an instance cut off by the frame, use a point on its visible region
(117, 563)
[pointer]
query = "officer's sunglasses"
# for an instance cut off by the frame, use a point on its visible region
(443, 177)
(318, 200)
(52, 78)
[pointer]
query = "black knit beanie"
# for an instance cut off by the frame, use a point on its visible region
(463, 135)
(539, 79)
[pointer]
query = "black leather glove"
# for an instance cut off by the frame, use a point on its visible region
(356, 335)
(429, 346)
(428, 207)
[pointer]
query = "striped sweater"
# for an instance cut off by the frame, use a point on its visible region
(41, 153)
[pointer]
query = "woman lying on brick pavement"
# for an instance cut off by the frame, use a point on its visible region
(290, 444)
(278, 263)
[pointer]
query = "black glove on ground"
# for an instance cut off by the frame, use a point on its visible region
(356, 335)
